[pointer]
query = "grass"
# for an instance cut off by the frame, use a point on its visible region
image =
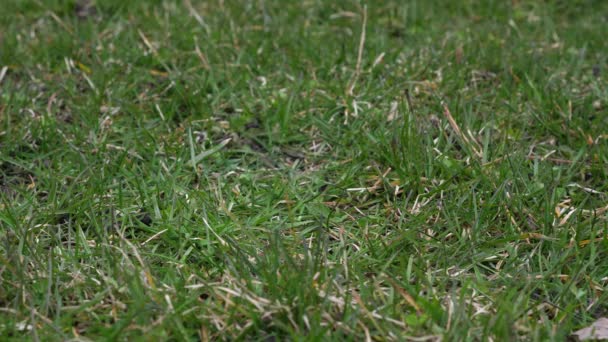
(261, 170)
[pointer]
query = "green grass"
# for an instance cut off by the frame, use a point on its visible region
(224, 171)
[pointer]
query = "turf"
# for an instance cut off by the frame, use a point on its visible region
(272, 170)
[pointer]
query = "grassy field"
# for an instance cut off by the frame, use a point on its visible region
(271, 169)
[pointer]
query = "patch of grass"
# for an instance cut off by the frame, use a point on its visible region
(224, 170)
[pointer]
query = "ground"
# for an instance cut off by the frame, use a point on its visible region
(269, 170)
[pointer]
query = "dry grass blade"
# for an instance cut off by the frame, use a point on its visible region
(408, 298)
(3, 73)
(196, 15)
(152, 49)
(459, 133)
(353, 81)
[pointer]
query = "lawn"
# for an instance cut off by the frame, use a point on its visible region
(303, 170)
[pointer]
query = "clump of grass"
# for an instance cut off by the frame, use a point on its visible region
(271, 170)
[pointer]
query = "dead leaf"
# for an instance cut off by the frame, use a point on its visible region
(596, 331)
